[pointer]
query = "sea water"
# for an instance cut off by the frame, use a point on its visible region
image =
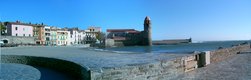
(178, 48)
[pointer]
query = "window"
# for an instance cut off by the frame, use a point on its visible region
(16, 28)
(29, 35)
(47, 39)
(23, 29)
(16, 34)
(23, 34)
(47, 34)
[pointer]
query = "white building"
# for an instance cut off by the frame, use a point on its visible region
(76, 36)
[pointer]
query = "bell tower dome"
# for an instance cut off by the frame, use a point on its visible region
(147, 32)
(147, 23)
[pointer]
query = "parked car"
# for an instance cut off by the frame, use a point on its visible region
(1, 42)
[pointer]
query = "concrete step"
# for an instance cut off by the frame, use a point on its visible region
(191, 65)
(245, 52)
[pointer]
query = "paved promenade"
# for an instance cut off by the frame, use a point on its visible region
(235, 68)
(94, 60)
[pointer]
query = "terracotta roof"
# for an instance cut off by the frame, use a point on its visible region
(121, 30)
(133, 31)
(29, 24)
(119, 38)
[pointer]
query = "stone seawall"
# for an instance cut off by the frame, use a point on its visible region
(162, 69)
(18, 39)
(167, 69)
(221, 54)
(72, 69)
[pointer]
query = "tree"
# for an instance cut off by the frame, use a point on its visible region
(2, 28)
(100, 36)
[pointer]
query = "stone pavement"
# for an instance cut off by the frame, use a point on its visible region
(235, 68)
(93, 60)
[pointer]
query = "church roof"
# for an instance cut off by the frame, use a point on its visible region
(121, 30)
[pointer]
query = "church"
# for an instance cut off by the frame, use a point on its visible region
(130, 37)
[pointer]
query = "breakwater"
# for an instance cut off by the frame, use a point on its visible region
(174, 41)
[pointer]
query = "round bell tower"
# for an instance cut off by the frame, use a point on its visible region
(147, 32)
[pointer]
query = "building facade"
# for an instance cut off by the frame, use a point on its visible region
(39, 33)
(91, 34)
(58, 37)
(130, 37)
(63, 37)
(53, 38)
(47, 35)
(124, 37)
(76, 36)
(19, 29)
(26, 30)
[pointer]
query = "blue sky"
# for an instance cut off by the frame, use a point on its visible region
(202, 20)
